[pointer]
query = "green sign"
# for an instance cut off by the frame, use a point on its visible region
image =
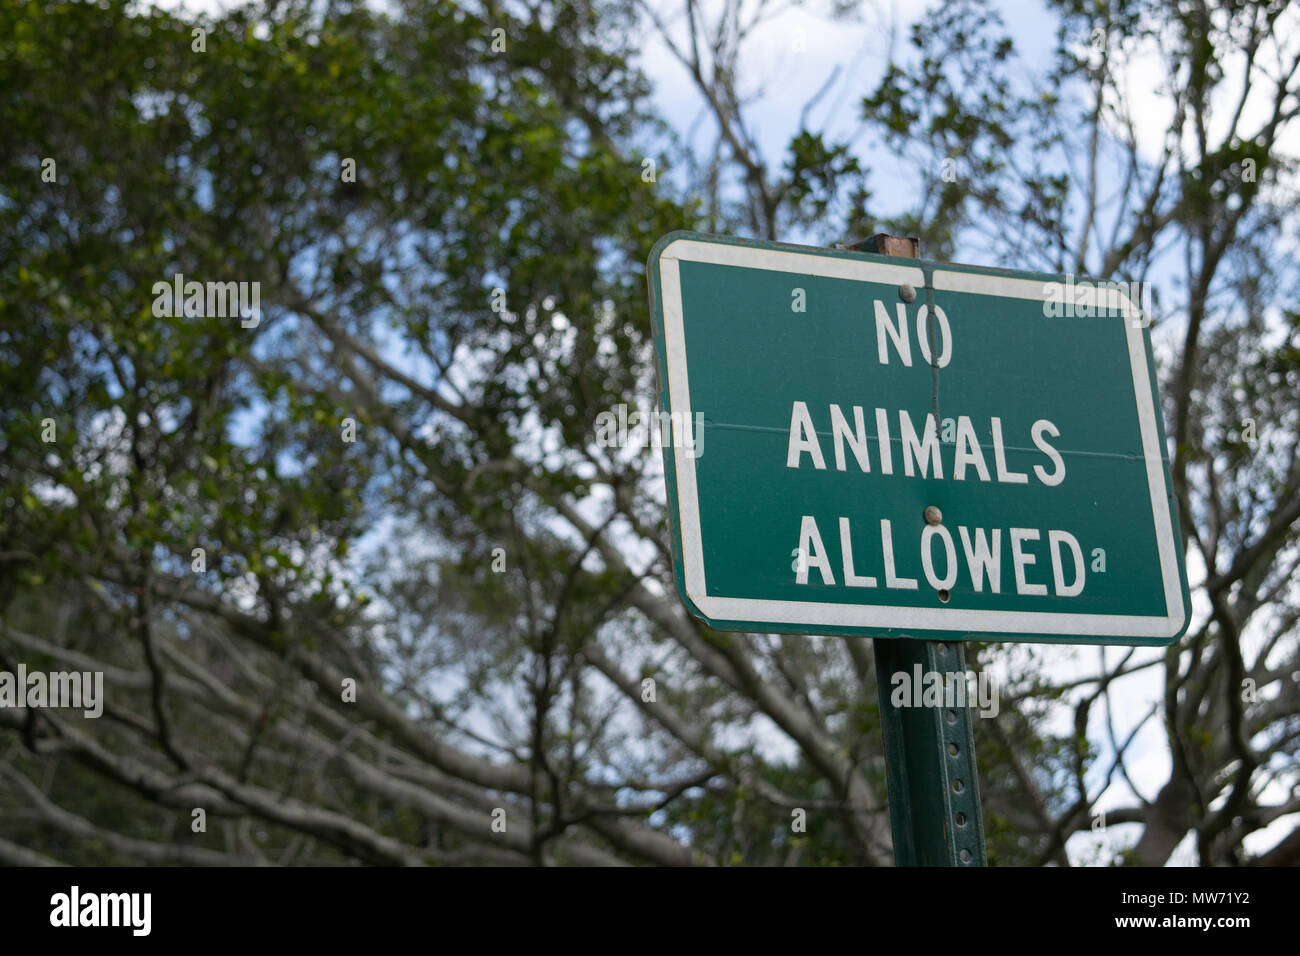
(823, 405)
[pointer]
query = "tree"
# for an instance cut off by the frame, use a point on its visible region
(455, 639)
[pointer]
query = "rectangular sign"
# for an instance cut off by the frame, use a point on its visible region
(805, 451)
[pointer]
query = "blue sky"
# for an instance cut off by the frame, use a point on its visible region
(783, 77)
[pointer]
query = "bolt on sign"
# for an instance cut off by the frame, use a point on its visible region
(891, 447)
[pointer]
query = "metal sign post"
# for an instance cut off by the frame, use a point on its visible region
(930, 766)
(934, 790)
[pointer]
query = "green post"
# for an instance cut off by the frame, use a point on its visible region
(934, 790)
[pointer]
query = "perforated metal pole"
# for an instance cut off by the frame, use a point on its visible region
(934, 792)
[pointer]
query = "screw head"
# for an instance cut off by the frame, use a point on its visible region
(933, 515)
(907, 292)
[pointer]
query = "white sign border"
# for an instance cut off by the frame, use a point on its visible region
(867, 616)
